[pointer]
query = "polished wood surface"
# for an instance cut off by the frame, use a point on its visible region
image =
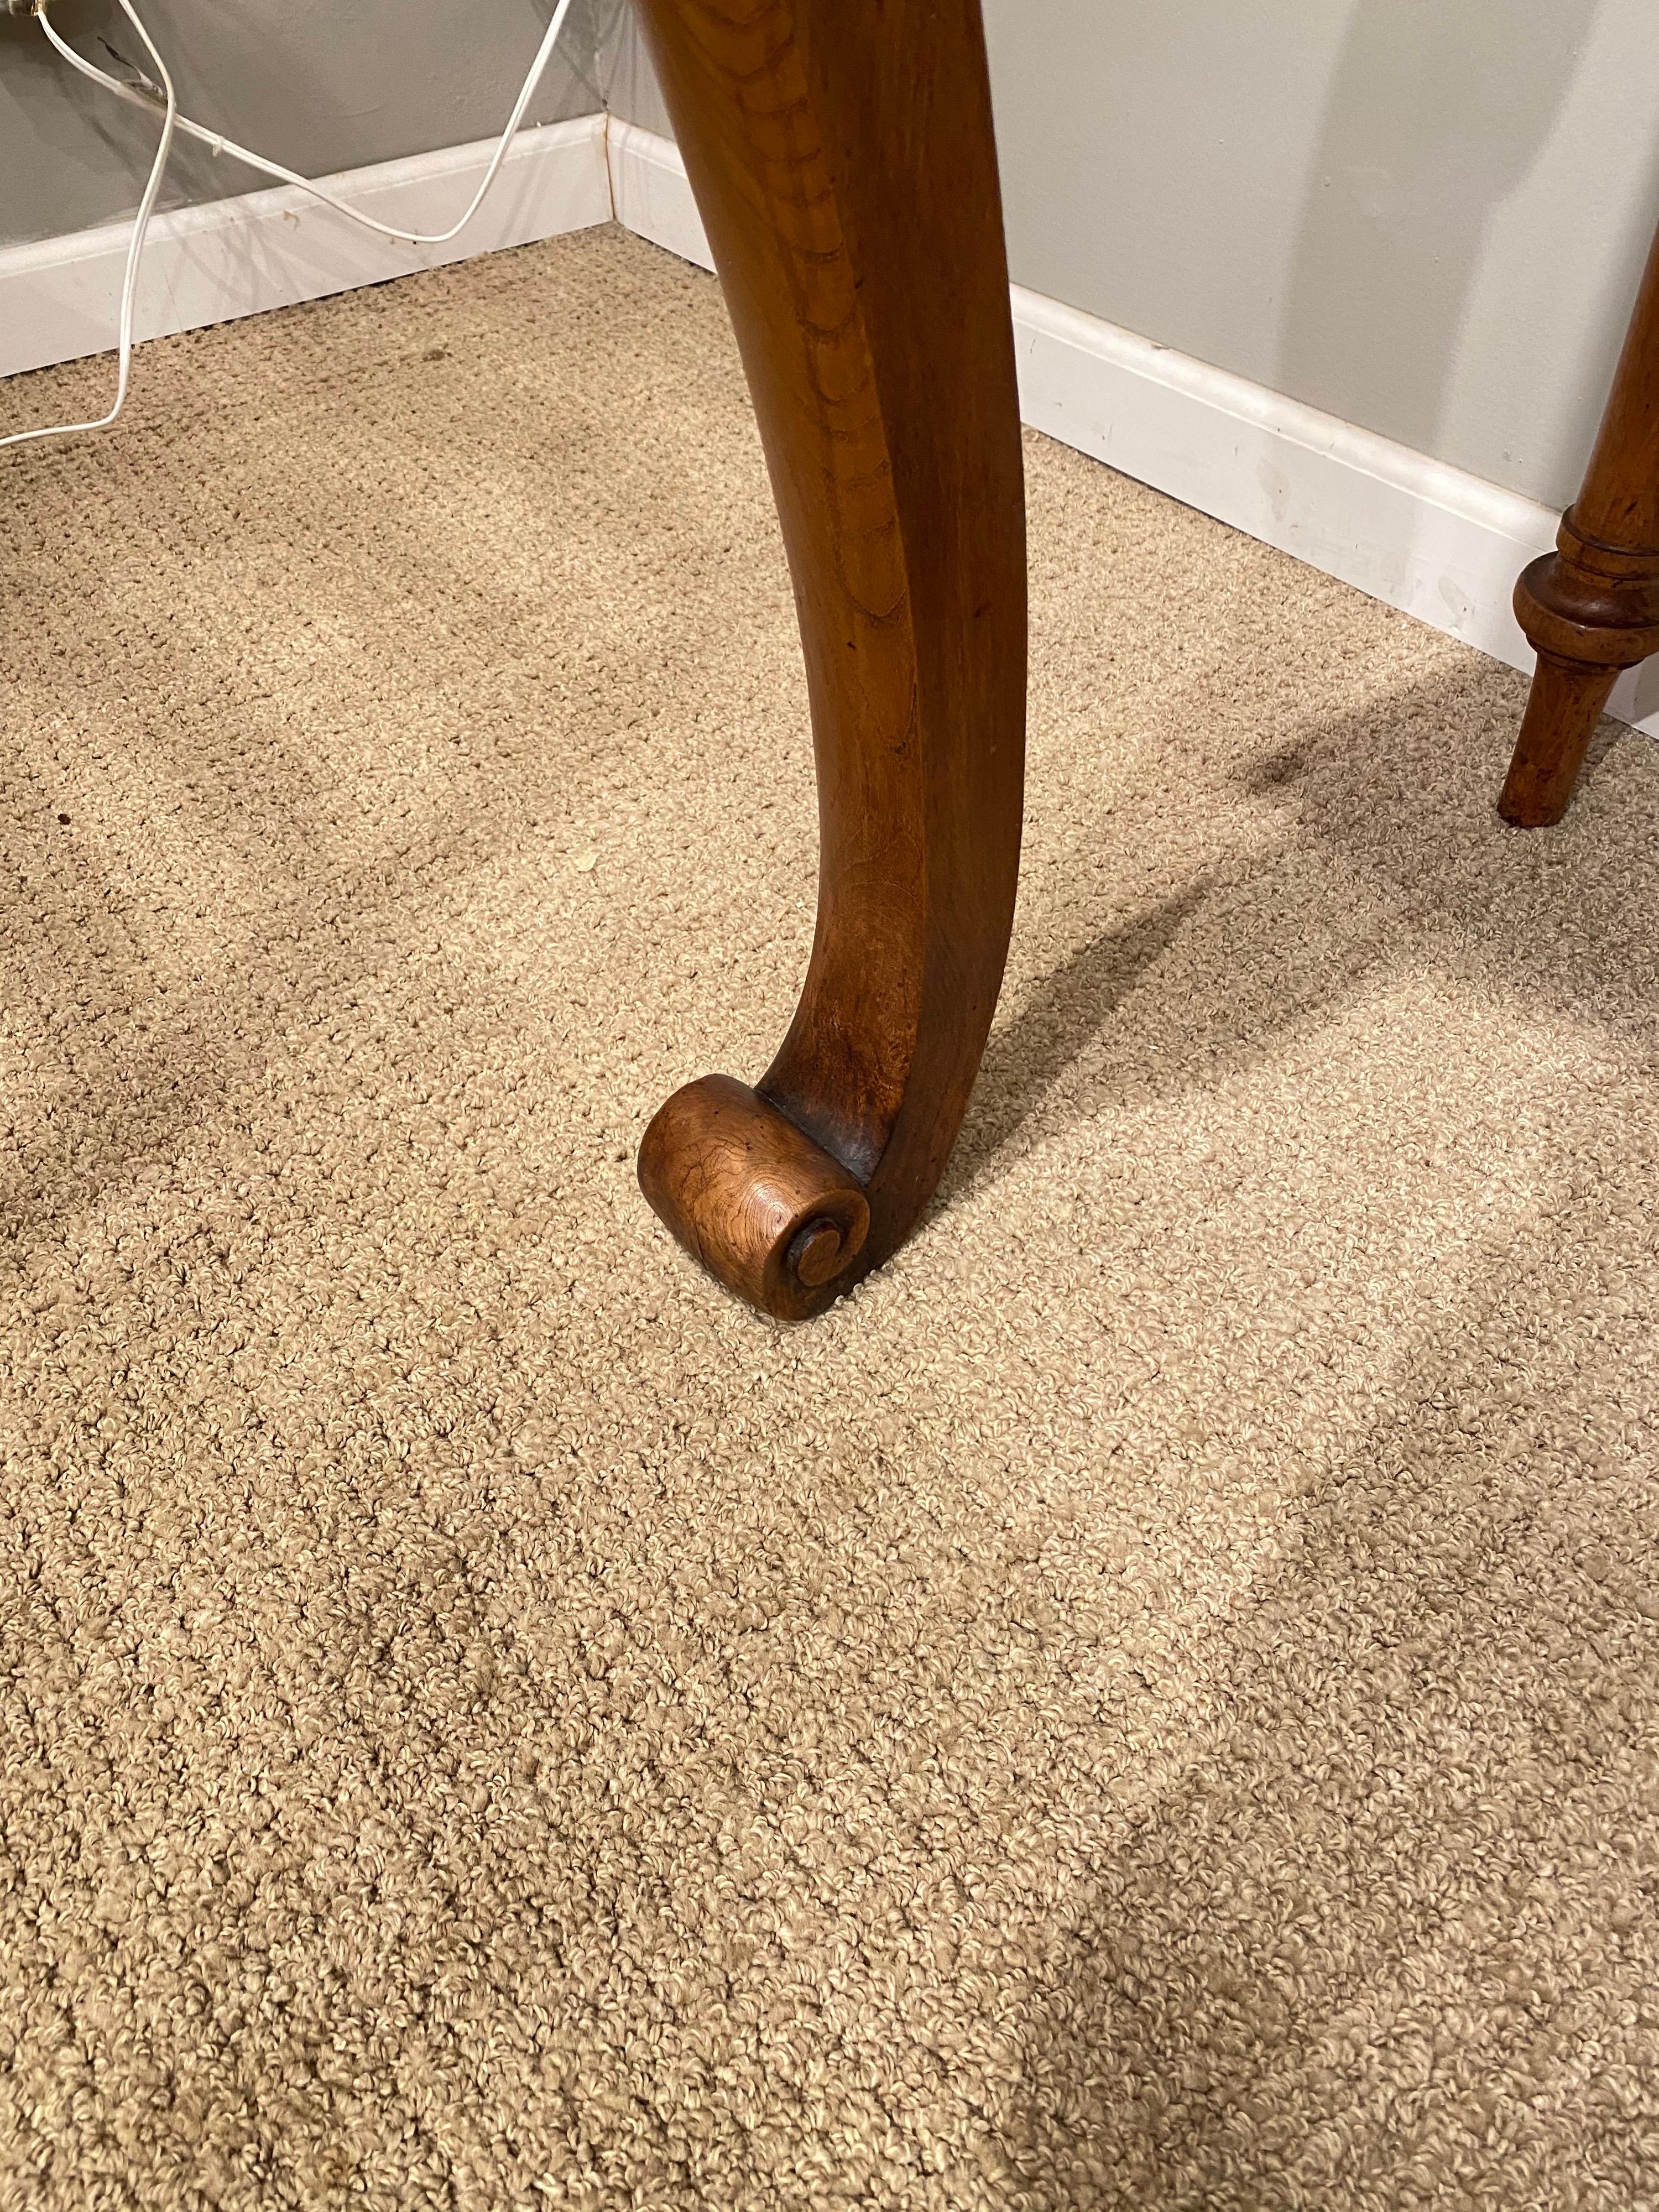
(842, 158)
(1591, 608)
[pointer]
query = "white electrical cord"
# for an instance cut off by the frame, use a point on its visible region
(135, 252)
(161, 96)
(148, 95)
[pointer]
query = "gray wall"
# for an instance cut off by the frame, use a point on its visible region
(1425, 217)
(319, 84)
(630, 84)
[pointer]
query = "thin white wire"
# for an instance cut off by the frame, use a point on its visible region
(145, 96)
(135, 252)
(148, 96)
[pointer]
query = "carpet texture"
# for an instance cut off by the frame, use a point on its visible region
(1153, 1703)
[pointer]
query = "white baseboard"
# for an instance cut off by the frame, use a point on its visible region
(650, 194)
(1409, 530)
(1412, 531)
(59, 298)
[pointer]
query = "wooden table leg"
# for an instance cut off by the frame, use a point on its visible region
(842, 154)
(1592, 608)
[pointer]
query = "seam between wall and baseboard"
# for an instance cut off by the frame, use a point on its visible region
(1412, 531)
(607, 120)
(1421, 536)
(231, 258)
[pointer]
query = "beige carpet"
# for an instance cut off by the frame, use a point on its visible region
(1154, 1702)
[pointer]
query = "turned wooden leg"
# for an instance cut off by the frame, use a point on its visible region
(1592, 607)
(842, 154)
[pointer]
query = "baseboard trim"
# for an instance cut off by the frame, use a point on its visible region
(59, 298)
(1414, 532)
(1409, 530)
(652, 194)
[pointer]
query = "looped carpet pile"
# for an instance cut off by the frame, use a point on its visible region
(1153, 1703)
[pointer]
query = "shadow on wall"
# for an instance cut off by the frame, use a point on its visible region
(1436, 115)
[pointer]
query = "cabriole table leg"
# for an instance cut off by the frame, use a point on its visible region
(842, 158)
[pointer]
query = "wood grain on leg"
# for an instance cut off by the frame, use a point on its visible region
(1591, 608)
(842, 154)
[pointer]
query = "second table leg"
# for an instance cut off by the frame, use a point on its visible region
(1591, 608)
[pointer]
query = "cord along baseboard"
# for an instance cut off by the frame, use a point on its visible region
(214, 263)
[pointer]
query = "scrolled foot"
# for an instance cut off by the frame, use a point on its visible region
(777, 1219)
(844, 161)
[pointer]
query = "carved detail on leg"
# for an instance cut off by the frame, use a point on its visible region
(842, 158)
(1591, 608)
